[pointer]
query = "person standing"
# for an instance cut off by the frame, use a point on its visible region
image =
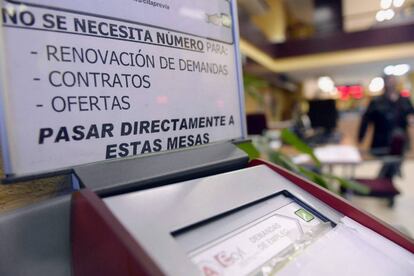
(389, 115)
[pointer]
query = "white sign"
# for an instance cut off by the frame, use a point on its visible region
(250, 250)
(83, 81)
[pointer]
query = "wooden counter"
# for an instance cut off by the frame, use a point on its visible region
(21, 194)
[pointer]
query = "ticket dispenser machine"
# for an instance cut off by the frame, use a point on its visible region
(258, 220)
(159, 79)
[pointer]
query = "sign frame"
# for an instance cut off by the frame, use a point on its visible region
(6, 122)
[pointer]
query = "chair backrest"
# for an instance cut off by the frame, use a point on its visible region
(36, 240)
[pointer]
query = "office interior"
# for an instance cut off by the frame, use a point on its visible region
(314, 67)
(311, 68)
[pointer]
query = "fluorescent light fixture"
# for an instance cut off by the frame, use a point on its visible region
(386, 4)
(397, 70)
(398, 3)
(326, 84)
(376, 84)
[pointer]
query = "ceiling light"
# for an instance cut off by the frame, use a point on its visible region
(386, 4)
(384, 15)
(380, 16)
(326, 84)
(401, 69)
(389, 14)
(397, 70)
(398, 3)
(389, 70)
(376, 84)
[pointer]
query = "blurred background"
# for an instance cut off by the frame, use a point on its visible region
(339, 76)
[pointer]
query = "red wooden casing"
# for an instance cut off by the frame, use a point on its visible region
(101, 245)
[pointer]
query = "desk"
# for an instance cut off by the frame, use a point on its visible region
(331, 155)
(345, 155)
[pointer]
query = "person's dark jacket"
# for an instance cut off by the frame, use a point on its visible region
(388, 117)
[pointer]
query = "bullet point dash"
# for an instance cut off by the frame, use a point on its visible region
(36, 79)
(33, 52)
(39, 105)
